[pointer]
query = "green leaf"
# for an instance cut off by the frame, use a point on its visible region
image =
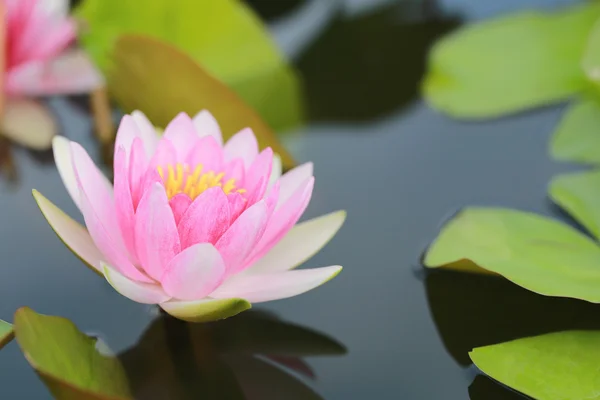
(577, 137)
(591, 56)
(509, 64)
(538, 253)
(276, 96)
(579, 193)
(6, 333)
(224, 36)
(556, 366)
(473, 310)
(67, 360)
(140, 79)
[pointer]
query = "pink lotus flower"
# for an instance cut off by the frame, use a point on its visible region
(199, 227)
(36, 61)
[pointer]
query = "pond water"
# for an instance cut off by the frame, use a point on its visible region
(398, 167)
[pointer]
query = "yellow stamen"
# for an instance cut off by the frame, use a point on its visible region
(179, 179)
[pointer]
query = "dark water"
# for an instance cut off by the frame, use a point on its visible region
(398, 168)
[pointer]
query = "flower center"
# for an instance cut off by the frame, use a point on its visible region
(182, 179)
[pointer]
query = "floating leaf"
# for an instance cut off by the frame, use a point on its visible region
(141, 79)
(276, 96)
(538, 253)
(6, 333)
(473, 310)
(591, 57)
(577, 137)
(223, 36)
(579, 193)
(67, 360)
(556, 366)
(496, 67)
(464, 265)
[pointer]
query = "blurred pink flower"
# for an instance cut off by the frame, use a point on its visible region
(199, 227)
(38, 62)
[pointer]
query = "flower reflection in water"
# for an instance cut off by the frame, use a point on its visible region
(253, 356)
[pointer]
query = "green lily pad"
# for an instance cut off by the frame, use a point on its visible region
(224, 36)
(577, 137)
(509, 64)
(6, 333)
(578, 193)
(556, 366)
(536, 252)
(67, 360)
(591, 58)
(140, 79)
